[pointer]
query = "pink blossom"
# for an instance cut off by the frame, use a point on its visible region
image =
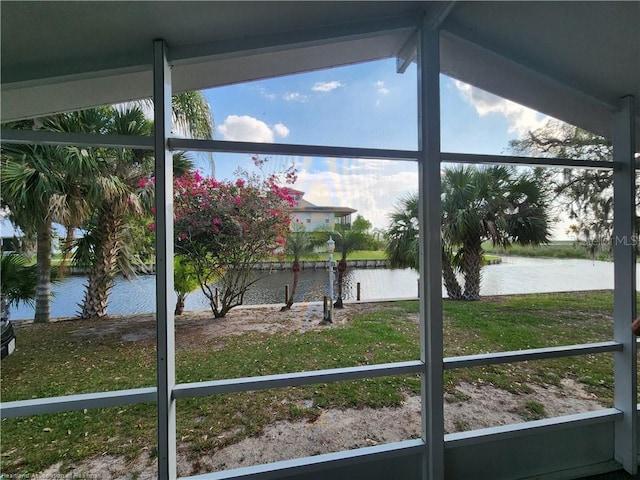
(238, 201)
(142, 183)
(182, 237)
(152, 227)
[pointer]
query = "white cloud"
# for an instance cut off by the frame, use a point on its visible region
(521, 119)
(266, 94)
(374, 192)
(327, 86)
(281, 130)
(382, 90)
(243, 128)
(294, 97)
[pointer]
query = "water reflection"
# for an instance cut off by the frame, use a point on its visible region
(514, 275)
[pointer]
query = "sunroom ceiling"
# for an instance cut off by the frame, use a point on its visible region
(571, 60)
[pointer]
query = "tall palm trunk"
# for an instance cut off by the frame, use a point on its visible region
(63, 268)
(342, 269)
(43, 288)
(4, 307)
(179, 310)
(471, 265)
(296, 278)
(102, 273)
(451, 284)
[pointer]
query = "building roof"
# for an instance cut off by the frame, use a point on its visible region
(338, 211)
(304, 206)
(570, 60)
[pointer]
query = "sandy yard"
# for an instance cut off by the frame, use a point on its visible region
(474, 406)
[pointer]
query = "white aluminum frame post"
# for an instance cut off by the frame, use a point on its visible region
(167, 468)
(624, 306)
(431, 331)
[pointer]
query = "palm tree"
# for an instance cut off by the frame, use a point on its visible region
(192, 115)
(80, 189)
(28, 186)
(18, 281)
(185, 281)
(119, 184)
(299, 243)
(40, 185)
(347, 241)
(403, 247)
(494, 204)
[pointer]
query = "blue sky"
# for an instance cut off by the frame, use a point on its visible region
(365, 105)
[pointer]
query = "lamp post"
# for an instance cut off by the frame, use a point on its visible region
(331, 247)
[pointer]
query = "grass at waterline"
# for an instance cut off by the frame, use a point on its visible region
(556, 249)
(363, 255)
(55, 360)
(353, 256)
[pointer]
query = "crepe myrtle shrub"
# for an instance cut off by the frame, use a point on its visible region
(225, 228)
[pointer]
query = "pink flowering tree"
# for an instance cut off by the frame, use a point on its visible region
(225, 228)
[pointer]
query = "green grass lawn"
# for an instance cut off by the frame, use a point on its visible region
(57, 359)
(365, 255)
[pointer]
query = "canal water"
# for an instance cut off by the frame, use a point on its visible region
(513, 275)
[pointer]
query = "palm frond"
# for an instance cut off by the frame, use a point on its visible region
(18, 279)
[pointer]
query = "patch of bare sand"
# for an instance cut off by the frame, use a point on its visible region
(202, 326)
(335, 430)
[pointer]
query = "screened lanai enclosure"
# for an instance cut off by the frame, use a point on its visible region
(578, 62)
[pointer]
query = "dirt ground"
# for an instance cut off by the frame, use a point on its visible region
(475, 406)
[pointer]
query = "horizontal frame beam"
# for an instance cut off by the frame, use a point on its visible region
(43, 137)
(484, 435)
(326, 461)
(289, 149)
(200, 389)
(498, 358)
(474, 158)
(40, 406)
(23, 408)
